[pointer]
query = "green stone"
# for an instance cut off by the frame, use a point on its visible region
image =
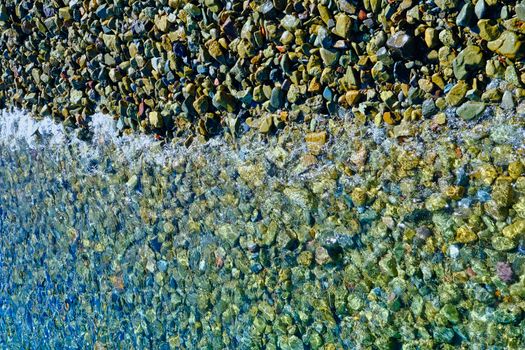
(329, 57)
(201, 104)
(468, 62)
(446, 4)
(520, 11)
(457, 93)
(324, 13)
(225, 100)
(290, 22)
(470, 110)
(75, 96)
(511, 75)
(501, 243)
(495, 69)
(213, 5)
(451, 313)
(229, 233)
(64, 13)
(161, 22)
(110, 41)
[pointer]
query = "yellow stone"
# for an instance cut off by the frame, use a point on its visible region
(155, 119)
(455, 192)
(358, 196)
(464, 234)
(438, 80)
(352, 97)
(315, 141)
(517, 228)
(314, 85)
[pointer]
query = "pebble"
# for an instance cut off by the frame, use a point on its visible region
(508, 44)
(470, 110)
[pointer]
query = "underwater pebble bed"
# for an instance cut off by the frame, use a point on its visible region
(415, 242)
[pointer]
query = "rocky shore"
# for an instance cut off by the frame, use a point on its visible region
(193, 69)
(323, 174)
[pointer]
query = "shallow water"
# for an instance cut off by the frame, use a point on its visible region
(123, 243)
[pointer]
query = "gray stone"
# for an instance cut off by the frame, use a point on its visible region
(520, 11)
(465, 15)
(401, 44)
(429, 108)
(277, 97)
(480, 9)
(507, 102)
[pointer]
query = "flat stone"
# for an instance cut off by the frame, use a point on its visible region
(64, 13)
(110, 41)
(511, 75)
(161, 22)
(102, 12)
(520, 11)
(329, 57)
(457, 93)
(215, 50)
(201, 104)
(468, 62)
(446, 4)
(431, 37)
(225, 100)
(4, 13)
(228, 233)
(508, 44)
(277, 97)
(429, 108)
(265, 125)
(470, 110)
(213, 5)
(465, 15)
(324, 13)
(507, 102)
(327, 94)
(352, 97)
(501, 243)
(75, 96)
(315, 141)
(290, 22)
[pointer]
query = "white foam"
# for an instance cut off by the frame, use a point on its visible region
(17, 129)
